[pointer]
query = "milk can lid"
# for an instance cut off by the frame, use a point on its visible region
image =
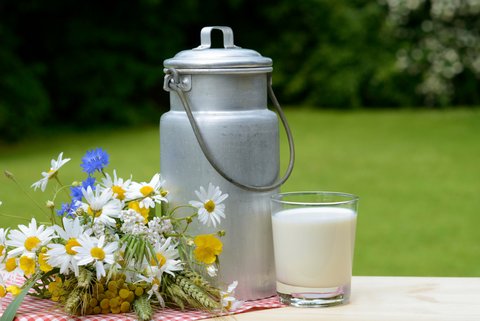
(229, 57)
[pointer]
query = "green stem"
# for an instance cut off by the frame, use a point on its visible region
(10, 176)
(65, 189)
(186, 226)
(178, 207)
(52, 216)
(185, 218)
(62, 187)
(173, 235)
(16, 217)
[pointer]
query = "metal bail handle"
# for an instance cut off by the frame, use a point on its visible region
(172, 82)
(206, 37)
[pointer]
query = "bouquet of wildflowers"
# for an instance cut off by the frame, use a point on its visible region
(115, 246)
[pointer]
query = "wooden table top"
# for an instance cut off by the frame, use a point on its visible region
(391, 299)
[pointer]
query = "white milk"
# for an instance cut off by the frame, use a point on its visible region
(314, 246)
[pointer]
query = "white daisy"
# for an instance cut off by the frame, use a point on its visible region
(3, 287)
(55, 166)
(10, 268)
(62, 255)
(166, 260)
(147, 193)
(3, 244)
(93, 250)
(28, 239)
(210, 209)
(155, 289)
(228, 300)
(117, 185)
(101, 206)
(212, 270)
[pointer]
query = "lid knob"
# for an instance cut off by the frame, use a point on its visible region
(206, 37)
(227, 59)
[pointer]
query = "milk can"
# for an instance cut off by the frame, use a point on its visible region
(220, 131)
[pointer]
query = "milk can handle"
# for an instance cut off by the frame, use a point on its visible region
(206, 41)
(172, 81)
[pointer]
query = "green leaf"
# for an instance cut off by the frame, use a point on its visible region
(151, 252)
(12, 308)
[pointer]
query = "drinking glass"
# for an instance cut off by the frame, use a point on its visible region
(314, 239)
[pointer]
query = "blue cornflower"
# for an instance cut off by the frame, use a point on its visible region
(68, 209)
(76, 191)
(94, 160)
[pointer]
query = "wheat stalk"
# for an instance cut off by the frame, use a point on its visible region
(196, 293)
(142, 308)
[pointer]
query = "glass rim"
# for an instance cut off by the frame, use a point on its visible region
(278, 198)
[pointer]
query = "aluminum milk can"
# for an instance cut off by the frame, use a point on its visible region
(220, 131)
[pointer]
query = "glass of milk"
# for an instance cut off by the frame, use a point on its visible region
(314, 239)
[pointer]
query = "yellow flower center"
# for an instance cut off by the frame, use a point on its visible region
(94, 213)
(209, 206)
(27, 264)
(97, 253)
(71, 243)
(1, 249)
(160, 259)
(11, 264)
(52, 173)
(229, 305)
(146, 190)
(3, 291)
(144, 211)
(119, 191)
(31, 243)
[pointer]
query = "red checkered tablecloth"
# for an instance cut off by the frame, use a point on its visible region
(34, 309)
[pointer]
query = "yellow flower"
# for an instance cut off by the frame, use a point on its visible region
(43, 262)
(27, 264)
(208, 248)
(14, 290)
(3, 291)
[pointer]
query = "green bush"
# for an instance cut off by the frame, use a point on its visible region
(441, 47)
(335, 53)
(24, 102)
(77, 64)
(101, 64)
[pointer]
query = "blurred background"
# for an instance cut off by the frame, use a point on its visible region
(63, 61)
(382, 97)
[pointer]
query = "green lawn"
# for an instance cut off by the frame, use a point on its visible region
(417, 173)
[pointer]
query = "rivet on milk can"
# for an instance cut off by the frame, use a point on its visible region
(219, 130)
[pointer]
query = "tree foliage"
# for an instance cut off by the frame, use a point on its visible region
(335, 53)
(82, 64)
(442, 47)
